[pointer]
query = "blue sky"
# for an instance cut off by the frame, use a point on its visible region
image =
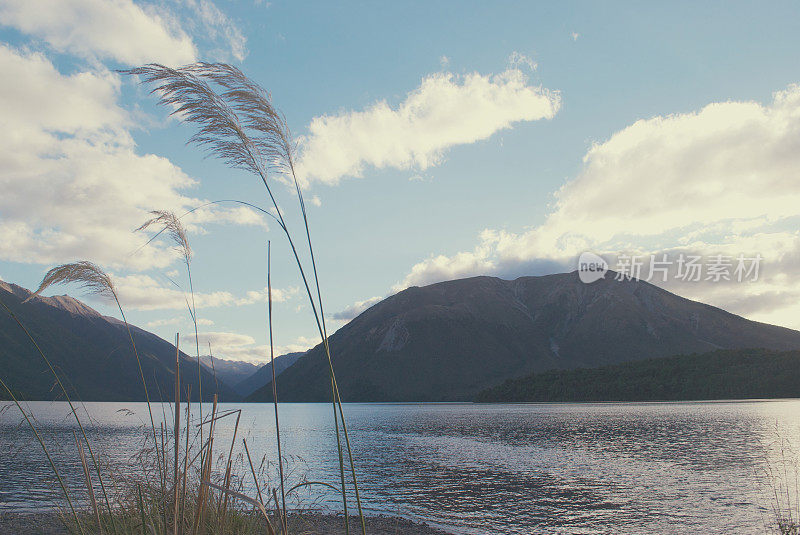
(487, 138)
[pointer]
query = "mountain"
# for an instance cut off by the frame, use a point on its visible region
(722, 374)
(230, 372)
(92, 354)
(448, 341)
(263, 375)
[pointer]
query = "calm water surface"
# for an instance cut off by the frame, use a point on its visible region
(517, 469)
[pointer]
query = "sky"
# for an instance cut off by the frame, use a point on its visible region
(435, 141)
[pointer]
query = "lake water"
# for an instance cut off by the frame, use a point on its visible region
(469, 468)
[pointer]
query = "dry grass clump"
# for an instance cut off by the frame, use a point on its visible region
(237, 123)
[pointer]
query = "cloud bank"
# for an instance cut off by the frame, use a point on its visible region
(722, 179)
(98, 29)
(446, 110)
(73, 183)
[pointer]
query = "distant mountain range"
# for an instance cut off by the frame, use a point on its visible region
(451, 340)
(444, 342)
(230, 372)
(263, 375)
(721, 374)
(91, 353)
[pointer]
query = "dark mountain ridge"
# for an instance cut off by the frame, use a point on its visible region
(721, 374)
(92, 354)
(448, 341)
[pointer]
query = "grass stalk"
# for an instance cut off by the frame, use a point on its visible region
(281, 513)
(46, 453)
(144, 382)
(163, 506)
(186, 453)
(177, 437)
(142, 517)
(205, 472)
(274, 384)
(337, 397)
(72, 410)
(88, 477)
(240, 126)
(229, 464)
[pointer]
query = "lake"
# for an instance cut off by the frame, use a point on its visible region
(518, 469)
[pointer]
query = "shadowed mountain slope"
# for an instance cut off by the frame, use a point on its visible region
(448, 341)
(92, 354)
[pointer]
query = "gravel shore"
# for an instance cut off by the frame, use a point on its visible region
(299, 524)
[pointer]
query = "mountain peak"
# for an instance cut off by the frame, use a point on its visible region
(69, 304)
(14, 289)
(61, 302)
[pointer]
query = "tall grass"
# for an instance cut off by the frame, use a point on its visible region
(179, 490)
(196, 498)
(781, 470)
(274, 382)
(173, 227)
(92, 278)
(237, 123)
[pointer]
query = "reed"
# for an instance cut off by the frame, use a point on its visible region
(191, 494)
(73, 410)
(91, 277)
(205, 498)
(173, 227)
(274, 382)
(35, 431)
(237, 123)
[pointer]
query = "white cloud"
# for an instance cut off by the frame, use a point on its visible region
(216, 26)
(73, 183)
(260, 296)
(301, 343)
(517, 60)
(721, 179)
(184, 320)
(356, 308)
(165, 322)
(444, 111)
(236, 346)
(143, 292)
(102, 29)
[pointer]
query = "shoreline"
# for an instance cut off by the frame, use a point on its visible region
(311, 522)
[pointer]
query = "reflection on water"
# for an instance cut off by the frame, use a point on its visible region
(541, 468)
